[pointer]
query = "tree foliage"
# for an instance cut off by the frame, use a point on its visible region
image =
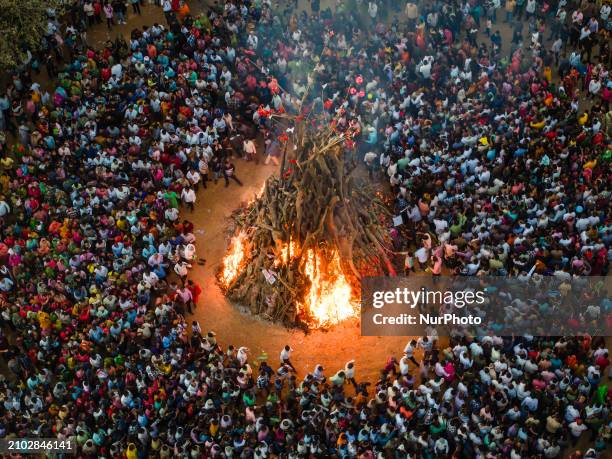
(23, 24)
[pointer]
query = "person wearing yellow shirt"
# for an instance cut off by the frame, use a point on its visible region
(342, 440)
(43, 320)
(131, 452)
(214, 428)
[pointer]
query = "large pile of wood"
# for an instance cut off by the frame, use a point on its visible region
(316, 204)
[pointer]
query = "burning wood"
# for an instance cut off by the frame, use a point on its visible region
(302, 245)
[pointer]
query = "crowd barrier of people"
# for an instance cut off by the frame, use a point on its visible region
(498, 158)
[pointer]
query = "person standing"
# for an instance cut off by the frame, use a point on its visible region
(556, 49)
(349, 372)
(189, 197)
(373, 10)
(576, 429)
(97, 6)
(194, 178)
(509, 7)
(203, 168)
(88, 9)
(408, 263)
(185, 298)
(285, 357)
(370, 162)
(530, 8)
(229, 171)
(250, 150)
(109, 15)
(422, 255)
(50, 66)
(519, 9)
(181, 269)
(196, 291)
(216, 168)
(409, 352)
(136, 7)
(412, 13)
(120, 11)
(272, 152)
(167, 9)
(494, 5)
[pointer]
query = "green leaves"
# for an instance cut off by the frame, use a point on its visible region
(23, 24)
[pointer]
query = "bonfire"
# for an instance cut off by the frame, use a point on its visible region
(300, 248)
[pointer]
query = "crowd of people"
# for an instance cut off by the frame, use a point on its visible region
(497, 152)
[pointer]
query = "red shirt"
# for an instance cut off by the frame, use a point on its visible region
(602, 362)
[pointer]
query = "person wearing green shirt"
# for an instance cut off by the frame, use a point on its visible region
(402, 164)
(437, 426)
(172, 198)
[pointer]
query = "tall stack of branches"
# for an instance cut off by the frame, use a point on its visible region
(317, 204)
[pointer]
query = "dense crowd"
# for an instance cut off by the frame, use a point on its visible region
(498, 159)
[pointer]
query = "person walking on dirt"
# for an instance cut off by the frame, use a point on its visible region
(272, 152)
(189, 198)
(250, 150)
(109, 14)
(136, 7)
(229, 171)
(285, 357)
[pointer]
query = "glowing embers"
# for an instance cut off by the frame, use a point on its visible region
(330, 299)
(234, 260)
(329, 296)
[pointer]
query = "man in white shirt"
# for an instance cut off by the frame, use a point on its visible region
(576, 428)
(285, 357)
(194, 178)
(409, 351)
(426, 344)
(424, 67)
(422, 255)
(167, 8)
(252, 41)
(556, 49)
(250, 150)
(349, 372)
(189, 198)
(604, 12)
(373, 10)
(181, 270)
(171, 214)
(117, 70)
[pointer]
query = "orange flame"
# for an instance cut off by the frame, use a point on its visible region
(234, 260)
(330, 298)
(261, 191)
